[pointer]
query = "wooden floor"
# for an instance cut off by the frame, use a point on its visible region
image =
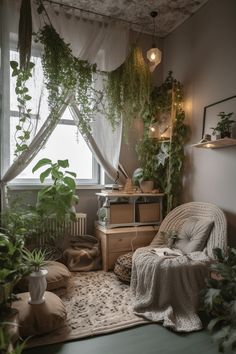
(148, 339)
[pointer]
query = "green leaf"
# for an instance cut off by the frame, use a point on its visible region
(41, 163)
(211, 296)
(13, 64)
(27, 97)
(73, 174)
(69, 182)
(45, 174)
(63, 163)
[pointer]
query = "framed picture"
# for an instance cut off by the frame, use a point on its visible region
(211, 118)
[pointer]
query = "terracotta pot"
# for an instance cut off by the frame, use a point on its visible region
(37, 286)
(146, 186)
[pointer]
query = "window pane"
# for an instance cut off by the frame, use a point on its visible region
(64, 143)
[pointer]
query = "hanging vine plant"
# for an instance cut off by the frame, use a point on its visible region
(65, 73)
(166, 157)
(128, 90)
(24, 125)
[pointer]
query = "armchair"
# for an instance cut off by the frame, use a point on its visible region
(166, 288)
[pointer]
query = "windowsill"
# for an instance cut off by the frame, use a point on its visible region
(36, 186)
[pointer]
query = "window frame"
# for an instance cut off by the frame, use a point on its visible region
(97, 172)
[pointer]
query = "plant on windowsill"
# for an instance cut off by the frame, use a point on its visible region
(223, 128)
(57, 200)
(220, 299)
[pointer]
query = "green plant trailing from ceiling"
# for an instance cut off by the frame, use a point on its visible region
(166, 159)
(24, 126)
(128, 90)
(66, 74)
(220, 300)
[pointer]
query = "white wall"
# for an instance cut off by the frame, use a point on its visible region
(202, 55)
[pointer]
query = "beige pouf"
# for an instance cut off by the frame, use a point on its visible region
(57, 277)
(123, 267)
(42, 318)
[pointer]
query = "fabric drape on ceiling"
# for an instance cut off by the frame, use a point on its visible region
(103, 44)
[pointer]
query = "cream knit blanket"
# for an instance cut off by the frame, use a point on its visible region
(166, 287)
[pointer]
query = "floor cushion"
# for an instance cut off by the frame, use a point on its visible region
(42, 318)
(123, 267)
(57, 277)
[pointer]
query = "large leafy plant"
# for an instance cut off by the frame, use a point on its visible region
(220, 299)
(57, 200)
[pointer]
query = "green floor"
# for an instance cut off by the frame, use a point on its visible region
(148, 339)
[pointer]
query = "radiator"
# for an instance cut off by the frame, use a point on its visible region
(52, 229)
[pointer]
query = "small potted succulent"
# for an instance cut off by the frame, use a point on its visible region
(223, 128)
(35, 260)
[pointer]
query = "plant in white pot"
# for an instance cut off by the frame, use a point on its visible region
(35, 260)
(144, 178)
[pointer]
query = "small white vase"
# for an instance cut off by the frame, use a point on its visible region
(146, 186)
(37, 286)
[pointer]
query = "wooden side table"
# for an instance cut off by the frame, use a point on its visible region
(118, 241)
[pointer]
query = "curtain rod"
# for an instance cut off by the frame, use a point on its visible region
(95, 13)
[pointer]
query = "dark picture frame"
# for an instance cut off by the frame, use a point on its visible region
(210, 112)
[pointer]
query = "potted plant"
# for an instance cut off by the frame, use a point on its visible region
(223, 128)
(220, 299)
(35, 260)
(57, 200)
(12, 269)
(144, 177)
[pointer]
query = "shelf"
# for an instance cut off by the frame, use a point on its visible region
(216, 144)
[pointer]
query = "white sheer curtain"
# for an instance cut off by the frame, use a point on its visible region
(103, 44)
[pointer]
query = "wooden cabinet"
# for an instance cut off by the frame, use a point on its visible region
(118, 241)
(119, 209)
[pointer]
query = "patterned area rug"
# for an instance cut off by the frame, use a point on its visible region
(96, 303)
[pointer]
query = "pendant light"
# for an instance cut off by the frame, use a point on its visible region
(154, 54)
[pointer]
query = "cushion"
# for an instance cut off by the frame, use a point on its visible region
(164, 239)
(57, 277)
(123, 267)
(193, 234)
(42, 318)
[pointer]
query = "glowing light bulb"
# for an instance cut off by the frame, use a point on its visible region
(152, 129)
(153, 56)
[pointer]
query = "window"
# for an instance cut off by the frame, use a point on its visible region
(65, 142)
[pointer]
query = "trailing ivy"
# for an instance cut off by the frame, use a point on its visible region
(165, 159)
(128, 90)
(65, 73)
(24, 126)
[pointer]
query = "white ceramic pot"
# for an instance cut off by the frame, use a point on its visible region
(37, 286)
(146, 186)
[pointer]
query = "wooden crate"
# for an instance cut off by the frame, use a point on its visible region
(121, 213)
(118, 241)
(148, 212)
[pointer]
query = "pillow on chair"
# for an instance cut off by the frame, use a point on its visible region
(193, 234)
